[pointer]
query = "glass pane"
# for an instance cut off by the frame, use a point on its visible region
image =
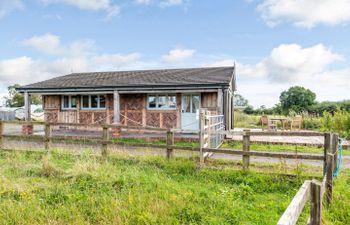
(152, 102)
(172, 101)
(85, 101)
(66, 102)
(73, 102)
(162, 101)
(186, 105)
(94, 100)
(195, 103)
(102, 101)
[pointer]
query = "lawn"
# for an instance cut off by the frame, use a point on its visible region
(339, 212)
(85, 189)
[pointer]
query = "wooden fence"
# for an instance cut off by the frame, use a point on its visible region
(312, 190)
(170, 146)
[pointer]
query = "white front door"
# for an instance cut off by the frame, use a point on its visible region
(190, 111)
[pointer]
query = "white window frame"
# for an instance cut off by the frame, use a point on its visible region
(157, 101)
(90, 108)
(69, 102)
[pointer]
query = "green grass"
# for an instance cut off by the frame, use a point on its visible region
(278, 147)
(156, 142)
(85, 189)
(339, 212)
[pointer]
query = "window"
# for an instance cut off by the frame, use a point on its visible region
(93, 102)
(69, 102)
(162, 101)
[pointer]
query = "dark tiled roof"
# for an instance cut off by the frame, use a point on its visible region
(139, 78)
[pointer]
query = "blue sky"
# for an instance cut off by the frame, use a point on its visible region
(274, 43)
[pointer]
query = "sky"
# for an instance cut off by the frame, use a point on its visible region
(275, 44)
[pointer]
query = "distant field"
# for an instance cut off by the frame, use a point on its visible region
(66, 189)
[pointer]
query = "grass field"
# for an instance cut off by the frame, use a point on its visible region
(66, 189)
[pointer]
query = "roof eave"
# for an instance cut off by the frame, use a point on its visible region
(122, 88)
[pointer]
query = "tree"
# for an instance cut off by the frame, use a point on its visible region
(16, 99)
(297, 99)
(240, 100)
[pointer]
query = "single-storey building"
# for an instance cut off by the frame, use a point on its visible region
(167, 98)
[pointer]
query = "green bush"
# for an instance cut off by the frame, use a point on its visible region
(311, 123)
(339, 122)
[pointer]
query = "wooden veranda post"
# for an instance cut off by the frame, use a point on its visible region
(47, 136)
(316, 203)
(169, 144)
(1, 133)
(246, 148)
(105, 139)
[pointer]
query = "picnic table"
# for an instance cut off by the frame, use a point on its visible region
(283, 121)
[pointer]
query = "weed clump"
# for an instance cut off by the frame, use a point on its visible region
(48, 169)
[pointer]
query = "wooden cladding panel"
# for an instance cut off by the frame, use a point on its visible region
(209, 100)
(51, 102)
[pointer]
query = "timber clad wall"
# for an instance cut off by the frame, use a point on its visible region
(132, 106)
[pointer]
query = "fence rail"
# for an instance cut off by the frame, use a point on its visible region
(314, 190)
(105, 140)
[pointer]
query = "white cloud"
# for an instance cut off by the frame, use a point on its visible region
(291, 62)
(90, 5)
(305, 13)
(77, 56)
(7, 6)
(51, 44)
(178, 54)
(47, 43)
(288, 65)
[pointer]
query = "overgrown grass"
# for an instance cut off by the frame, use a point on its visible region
(85, 189)
(339, 212)
(278, 147)
(244, 120)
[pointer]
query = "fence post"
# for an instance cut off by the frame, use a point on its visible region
(327, 149)
(201, 135)
(316, 203)
(1, 133)
(169, 144)
(329, 178)
(47, 136)
(105, 139)
(335, 140)
(246, 148)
